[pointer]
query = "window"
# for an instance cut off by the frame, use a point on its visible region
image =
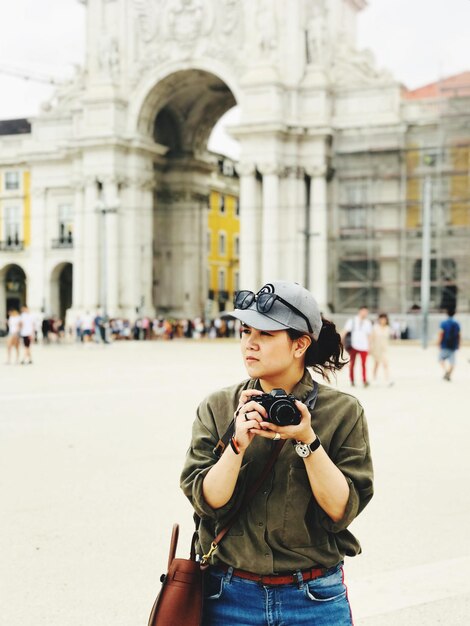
(209, 241)
(358, 284)
(221, 280)
(237, 207)
(221, 203)
(65, 222)
(354, 203)
(236, 246)
(12, 180)
(222, 244)
(443, 277)
(12, 225)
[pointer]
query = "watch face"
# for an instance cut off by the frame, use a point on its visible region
(302, 449)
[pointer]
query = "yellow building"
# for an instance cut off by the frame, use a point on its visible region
(223, 248)
(15, 230)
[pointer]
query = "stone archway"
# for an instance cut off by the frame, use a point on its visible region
(61, 289)
(13, 290)
(179, 114)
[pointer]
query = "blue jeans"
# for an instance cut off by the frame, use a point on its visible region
(233, 601)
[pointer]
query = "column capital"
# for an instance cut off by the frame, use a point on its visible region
(144, 182)
(90, 180)
(271, 169)
(316, 171)
(295, 171)
(245, 168)
(78, 184)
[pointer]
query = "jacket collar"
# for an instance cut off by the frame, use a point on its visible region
(301, 390)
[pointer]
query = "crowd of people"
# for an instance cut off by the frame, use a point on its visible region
(361, 336)
(98, 328)
(147, 329)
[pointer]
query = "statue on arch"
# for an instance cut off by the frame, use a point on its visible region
(267, 28)
(316, 35)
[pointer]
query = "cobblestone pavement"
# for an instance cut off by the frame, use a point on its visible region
(92, 439)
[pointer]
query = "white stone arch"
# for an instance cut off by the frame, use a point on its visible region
(191, 96)
(143, 105)
(4, 294)
(57, 306)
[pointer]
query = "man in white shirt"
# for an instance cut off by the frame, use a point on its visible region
(27, 333)
(360, 328)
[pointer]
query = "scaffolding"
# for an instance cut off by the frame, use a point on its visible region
(376, 209)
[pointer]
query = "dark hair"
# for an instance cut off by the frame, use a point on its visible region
(451, 311)
(383, 316)
(326, 355)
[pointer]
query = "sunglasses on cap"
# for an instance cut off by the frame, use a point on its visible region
(264, 303)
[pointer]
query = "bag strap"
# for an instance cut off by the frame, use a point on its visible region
(248, 496)
(173, 544)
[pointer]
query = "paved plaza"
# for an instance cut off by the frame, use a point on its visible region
(92, 440)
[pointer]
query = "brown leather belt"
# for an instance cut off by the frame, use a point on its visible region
(275, 579)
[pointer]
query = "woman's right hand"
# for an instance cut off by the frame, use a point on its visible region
(248, 417)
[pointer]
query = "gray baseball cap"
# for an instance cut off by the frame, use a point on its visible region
(280, 316)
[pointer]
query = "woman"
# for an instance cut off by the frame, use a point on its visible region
(281, 562)
(13, 340)
(379, 340)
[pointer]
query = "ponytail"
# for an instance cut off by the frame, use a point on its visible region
(326, 355)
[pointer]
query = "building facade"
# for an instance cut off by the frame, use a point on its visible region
(223, 242)
(329, 181)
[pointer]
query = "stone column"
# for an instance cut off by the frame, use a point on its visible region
(145, 238)
(78, 246)
(128, 261)
(91, 264)
(250, 231)
(270, 229)
(38, 288)
(318, 262)
(111, 198)
(293, 225)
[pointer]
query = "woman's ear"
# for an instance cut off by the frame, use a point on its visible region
(303, 344)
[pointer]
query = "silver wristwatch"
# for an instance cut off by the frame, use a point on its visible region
(305, 449)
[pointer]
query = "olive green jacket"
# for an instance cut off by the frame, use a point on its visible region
(283, 528)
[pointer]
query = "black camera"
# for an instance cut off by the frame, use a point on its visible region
(280, 407)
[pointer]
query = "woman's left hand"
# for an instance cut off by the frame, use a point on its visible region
(301, 432)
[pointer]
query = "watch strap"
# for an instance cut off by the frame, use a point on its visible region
(315, 444)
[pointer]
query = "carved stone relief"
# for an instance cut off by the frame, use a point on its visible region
(180, 28)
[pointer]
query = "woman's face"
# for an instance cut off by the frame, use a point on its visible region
(268, 354)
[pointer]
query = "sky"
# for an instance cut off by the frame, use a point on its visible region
(419, 41)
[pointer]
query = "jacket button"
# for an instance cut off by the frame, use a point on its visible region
(260, 524)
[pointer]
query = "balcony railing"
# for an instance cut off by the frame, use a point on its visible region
(63, 242)
(11, 245)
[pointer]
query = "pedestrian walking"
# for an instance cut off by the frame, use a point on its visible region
(282, 561)
(27, 334)
(448, 343)
(13, 338)
(379, 344)
(87, 327)
(360, 328)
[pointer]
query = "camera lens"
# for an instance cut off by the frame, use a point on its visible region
(284, 413)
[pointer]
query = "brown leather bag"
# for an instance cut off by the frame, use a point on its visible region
(180, 600)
